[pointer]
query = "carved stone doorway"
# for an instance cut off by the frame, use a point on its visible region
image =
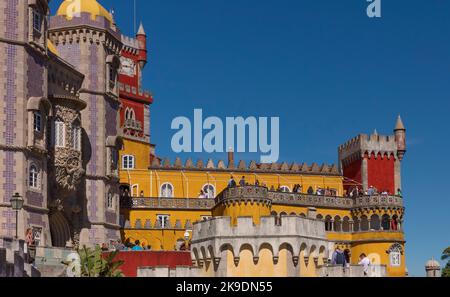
(59, 229)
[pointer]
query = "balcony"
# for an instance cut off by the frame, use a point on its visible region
(131, 124)
(276, 198)
(168, 203)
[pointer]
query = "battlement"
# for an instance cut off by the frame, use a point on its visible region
(290, 226)
(294, 168)
(374, 144)
(130, 45)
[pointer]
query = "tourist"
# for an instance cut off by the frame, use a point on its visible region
(142, 194)
(231, 182)
(105, 247)
(119, 246)
(371, 191)
(338, 258)
(257, 183)
(399, 193)
(347, 257)
(29, 242)
(242, 182)
(202, 194)
(137, 246)
(272, 188)
(365, 262)
(310, 191)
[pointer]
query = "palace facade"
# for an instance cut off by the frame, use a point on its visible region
(76, 145)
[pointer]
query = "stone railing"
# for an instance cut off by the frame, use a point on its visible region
(280, 198)
(132, 124)
(311, 200)
(171, 203)
(378, 200)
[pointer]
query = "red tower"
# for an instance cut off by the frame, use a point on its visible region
(135, 110)
(374, 160)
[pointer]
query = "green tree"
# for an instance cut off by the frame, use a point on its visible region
(93, 264)
(446, 257)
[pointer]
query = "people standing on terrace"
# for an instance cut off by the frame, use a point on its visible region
(202, 194)
(242, 182)
(231, 182)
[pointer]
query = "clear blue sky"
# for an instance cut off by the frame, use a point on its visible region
(326, 69)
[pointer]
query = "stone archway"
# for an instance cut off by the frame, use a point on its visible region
(59, 229)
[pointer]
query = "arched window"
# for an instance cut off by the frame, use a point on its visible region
(37, 121)
(337, 224)
(33, 179)
(128, 162)
(59, 134)
(328, 223)
(395, 255)
(130, 114)
(166, 190)
(76, 137)
(110, 201)
(209, 190)
(346, 224)
(364, 224)
(375, 222)
(285, 189)
(356, 223)
(385, 222)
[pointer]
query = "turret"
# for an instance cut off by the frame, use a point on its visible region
(433, 268)
(374, 160)
(400, 138)
(141, 36)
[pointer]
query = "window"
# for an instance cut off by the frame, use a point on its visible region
(59, 132)
(395, 255)
(285, 189)
(209, 190)
(130, 114)
(163, 220)
(134, 190)
(112, 74)
(166, 190)
(37, 20)
(128, 162)
(76, 138)
(110, 201)
(37, 121)
(33, 179)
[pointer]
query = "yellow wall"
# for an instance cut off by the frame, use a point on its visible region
(187, 184)
(256, 210)
(140, 151)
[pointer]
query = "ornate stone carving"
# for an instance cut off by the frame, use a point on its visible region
(68, 169)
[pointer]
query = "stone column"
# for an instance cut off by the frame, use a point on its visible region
(397, 175)
(365, 174)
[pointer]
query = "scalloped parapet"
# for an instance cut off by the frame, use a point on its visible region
(253, 166)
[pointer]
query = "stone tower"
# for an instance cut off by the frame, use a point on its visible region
(24, 108)
(374, 160)
(433, 268)
(85, 35)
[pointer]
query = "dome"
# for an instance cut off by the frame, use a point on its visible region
(433, 264)
(69, 8)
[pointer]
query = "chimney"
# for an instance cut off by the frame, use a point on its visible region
(230, 158)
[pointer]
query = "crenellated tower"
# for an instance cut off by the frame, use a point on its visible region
(24, 110)
(374, 160)
(85, 35)
(137, 152)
